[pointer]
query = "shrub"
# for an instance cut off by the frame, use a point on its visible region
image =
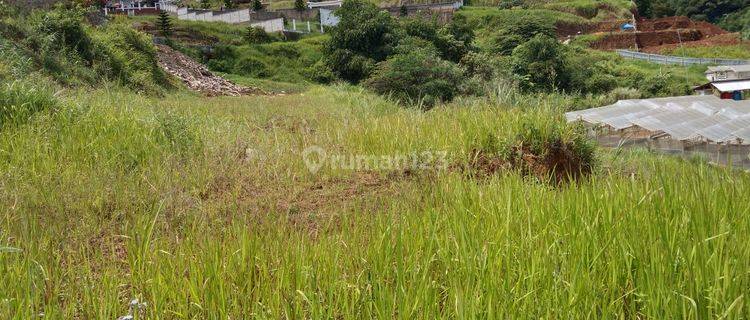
(663, 84)
(320, 73)
(618, 94)
(222, 59)
(452, 41)
(252, 67)
(285, 50)
(417, 77)
(256, 35)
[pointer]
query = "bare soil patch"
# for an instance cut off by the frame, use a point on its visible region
(728, 39)
(558, 164)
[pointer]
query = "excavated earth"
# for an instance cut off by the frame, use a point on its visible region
(651, 33)
(197, 77)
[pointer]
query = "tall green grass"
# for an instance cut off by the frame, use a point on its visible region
(203, 208)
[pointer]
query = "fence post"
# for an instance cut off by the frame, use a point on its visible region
(308, 27)
(294, 24)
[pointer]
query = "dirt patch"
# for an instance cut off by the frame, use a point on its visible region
(728, 39)
(308, 205)
(197, 77)
(646, 39)
(558, 165)
(650, 33)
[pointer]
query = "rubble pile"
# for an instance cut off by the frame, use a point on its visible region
(197, 77)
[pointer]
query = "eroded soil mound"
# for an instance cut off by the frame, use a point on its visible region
(197, 77)
(558, 163)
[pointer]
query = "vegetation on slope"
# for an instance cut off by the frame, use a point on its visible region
(739, 51)
(208, 207)
(59, 44)
(203, 207)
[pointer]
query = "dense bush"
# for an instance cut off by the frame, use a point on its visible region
(697, 9)
(452, 41)
(419, 76)
(252, 67)
(663, 84)
(320, 72)
(511, 4)
(511, 36)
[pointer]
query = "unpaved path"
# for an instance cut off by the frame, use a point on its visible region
(197, 77)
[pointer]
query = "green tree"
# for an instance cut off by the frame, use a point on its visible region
(205, 4)
(364, 36)
(403, 11)
(229, 4)
(164, 22)
(257, 5)
(540, 64)
(513, 35)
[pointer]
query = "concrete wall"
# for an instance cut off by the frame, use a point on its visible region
(275, 25)
(327, 18)
(270, 22)
(289, 14)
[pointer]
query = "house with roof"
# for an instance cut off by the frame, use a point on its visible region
(727, 82)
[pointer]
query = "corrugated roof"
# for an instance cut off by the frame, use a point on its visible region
(737, 68)
(730, 86)
(741, 68)
(683, 118)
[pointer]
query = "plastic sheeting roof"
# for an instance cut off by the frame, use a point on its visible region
(683, 118)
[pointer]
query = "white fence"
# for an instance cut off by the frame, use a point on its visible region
(229, 16)
(662, 59)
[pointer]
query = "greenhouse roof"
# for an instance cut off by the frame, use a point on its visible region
(706, 118)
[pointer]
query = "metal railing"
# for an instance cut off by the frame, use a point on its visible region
(662, 59)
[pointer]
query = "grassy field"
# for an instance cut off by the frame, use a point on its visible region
(740, 51)
(204, 208)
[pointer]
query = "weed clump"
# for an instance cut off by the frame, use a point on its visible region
(20, 101)
(549, 154)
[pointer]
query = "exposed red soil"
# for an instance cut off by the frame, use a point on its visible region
(650, 32)
(728, 39)
(646, 39)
